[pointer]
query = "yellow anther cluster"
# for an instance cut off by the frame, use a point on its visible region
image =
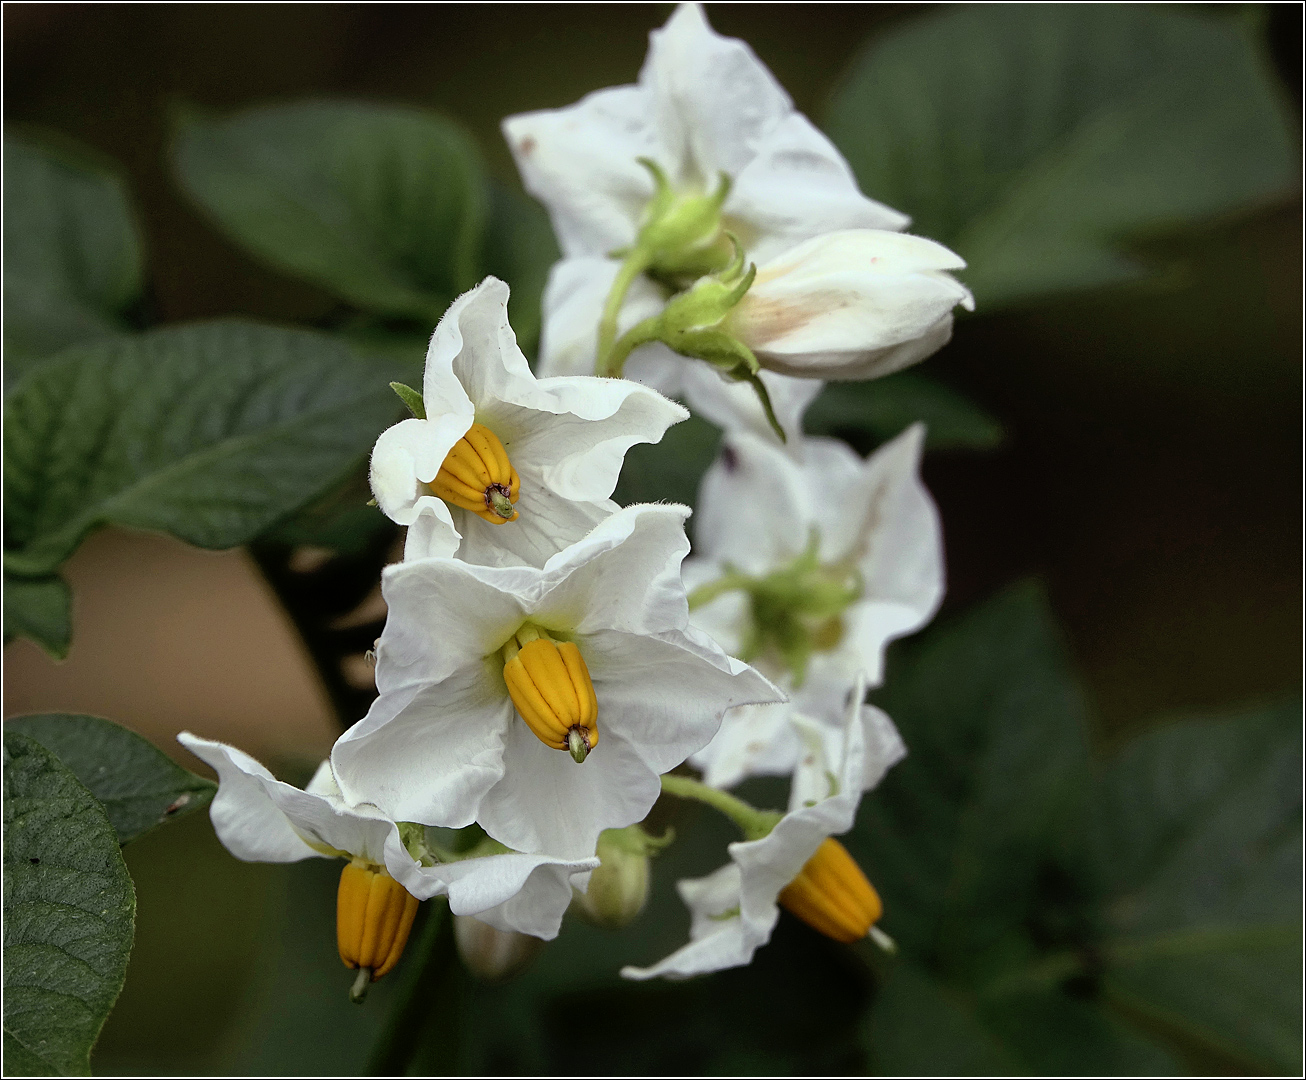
(550, 685)
(832, 895)
(374, 914)
(478, 476)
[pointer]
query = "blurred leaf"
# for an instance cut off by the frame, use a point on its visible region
(71, 251)
(885, 407)
(956, 837)
(671, 469)
(137, 784)
(211, 432)
(69, 909)
(1199, 854)
(1034, 140)
(520, 249)
(38, 609)
(382, 205)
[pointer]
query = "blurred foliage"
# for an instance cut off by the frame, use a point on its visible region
(73, 266)
(38, 609)
(138, 786)
(69, 907)
(1056, 132)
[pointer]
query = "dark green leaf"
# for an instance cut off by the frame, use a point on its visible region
(69, 910)
(1199, 857)
(520, 249)
(72, 254)
(137, 784)
(211, 432)
(1035, 139)
(885, 407)
(384, 206)
(957, 835)
(38, 609)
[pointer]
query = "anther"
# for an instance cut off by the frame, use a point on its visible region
(477, 476)
(552, 690)
(832, 895)
(374, 915)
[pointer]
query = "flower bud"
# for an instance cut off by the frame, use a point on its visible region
(832, 895)
(551, 688)
(681, 234)
(491, 954)
(618, 889)
(477, 476)
(374, 914)
(854, 304)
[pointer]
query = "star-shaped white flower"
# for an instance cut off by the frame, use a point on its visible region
(444, 743)
(259, 818)
(565, 438)
(866, 529)
(735, 908)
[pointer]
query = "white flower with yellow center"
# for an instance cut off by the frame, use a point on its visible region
(789, 860)
(542, 703)
(708, 142)
(808, 569)
(390, 869)
(502, 468)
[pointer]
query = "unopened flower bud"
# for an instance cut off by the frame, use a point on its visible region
(832, 895)
(477, 476)
(681, 233)
(491, 954)
(854, 304)
(551, 688)
(374, 915)
(618, 889)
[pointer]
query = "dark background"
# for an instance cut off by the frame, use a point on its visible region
(1151, 473)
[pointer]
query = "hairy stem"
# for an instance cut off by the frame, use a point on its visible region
(752, 822)
(635, 264)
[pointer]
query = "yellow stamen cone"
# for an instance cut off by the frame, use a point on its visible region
(552, 690)
(374, 915)
(477, 476)
(832, 895)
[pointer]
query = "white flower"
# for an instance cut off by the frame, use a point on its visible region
(735, 909)
(565, 438)
(261, 819)
(854, 304)
(840, 555)
(445, 744)
(703, 105)
(573, 301)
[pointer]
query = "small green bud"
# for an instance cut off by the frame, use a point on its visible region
(681, 235)
(491, 954)
(618, 889)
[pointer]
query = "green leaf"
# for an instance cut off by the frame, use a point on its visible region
(211, 432)
(38, 609)
(383, 206)
(71, 250)
(885, 407)
(69, 912)
(137, 784)
(1036, 140)
(412, 398)
(1199, 858)
(520, 249)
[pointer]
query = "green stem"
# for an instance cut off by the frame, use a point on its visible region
(432, 958)
(639, 334)
(709, 591)
(754, 823)
(635, 264)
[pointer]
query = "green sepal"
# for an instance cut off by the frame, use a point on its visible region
(411, 398)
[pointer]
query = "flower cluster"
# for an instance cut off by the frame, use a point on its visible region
(551, 663)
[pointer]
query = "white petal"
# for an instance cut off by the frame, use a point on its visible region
(546, 524)
(713, 99)
(581, 163)
(753, 506)
(724, 619)
(247, 821)
(796, 187)
(259, 818)
(407, 457)
(754, 740)
(429, 753)
(432, 533)
(473, 359)
(548, 802)
(734, 406)
(666, 694)
(526, 893)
